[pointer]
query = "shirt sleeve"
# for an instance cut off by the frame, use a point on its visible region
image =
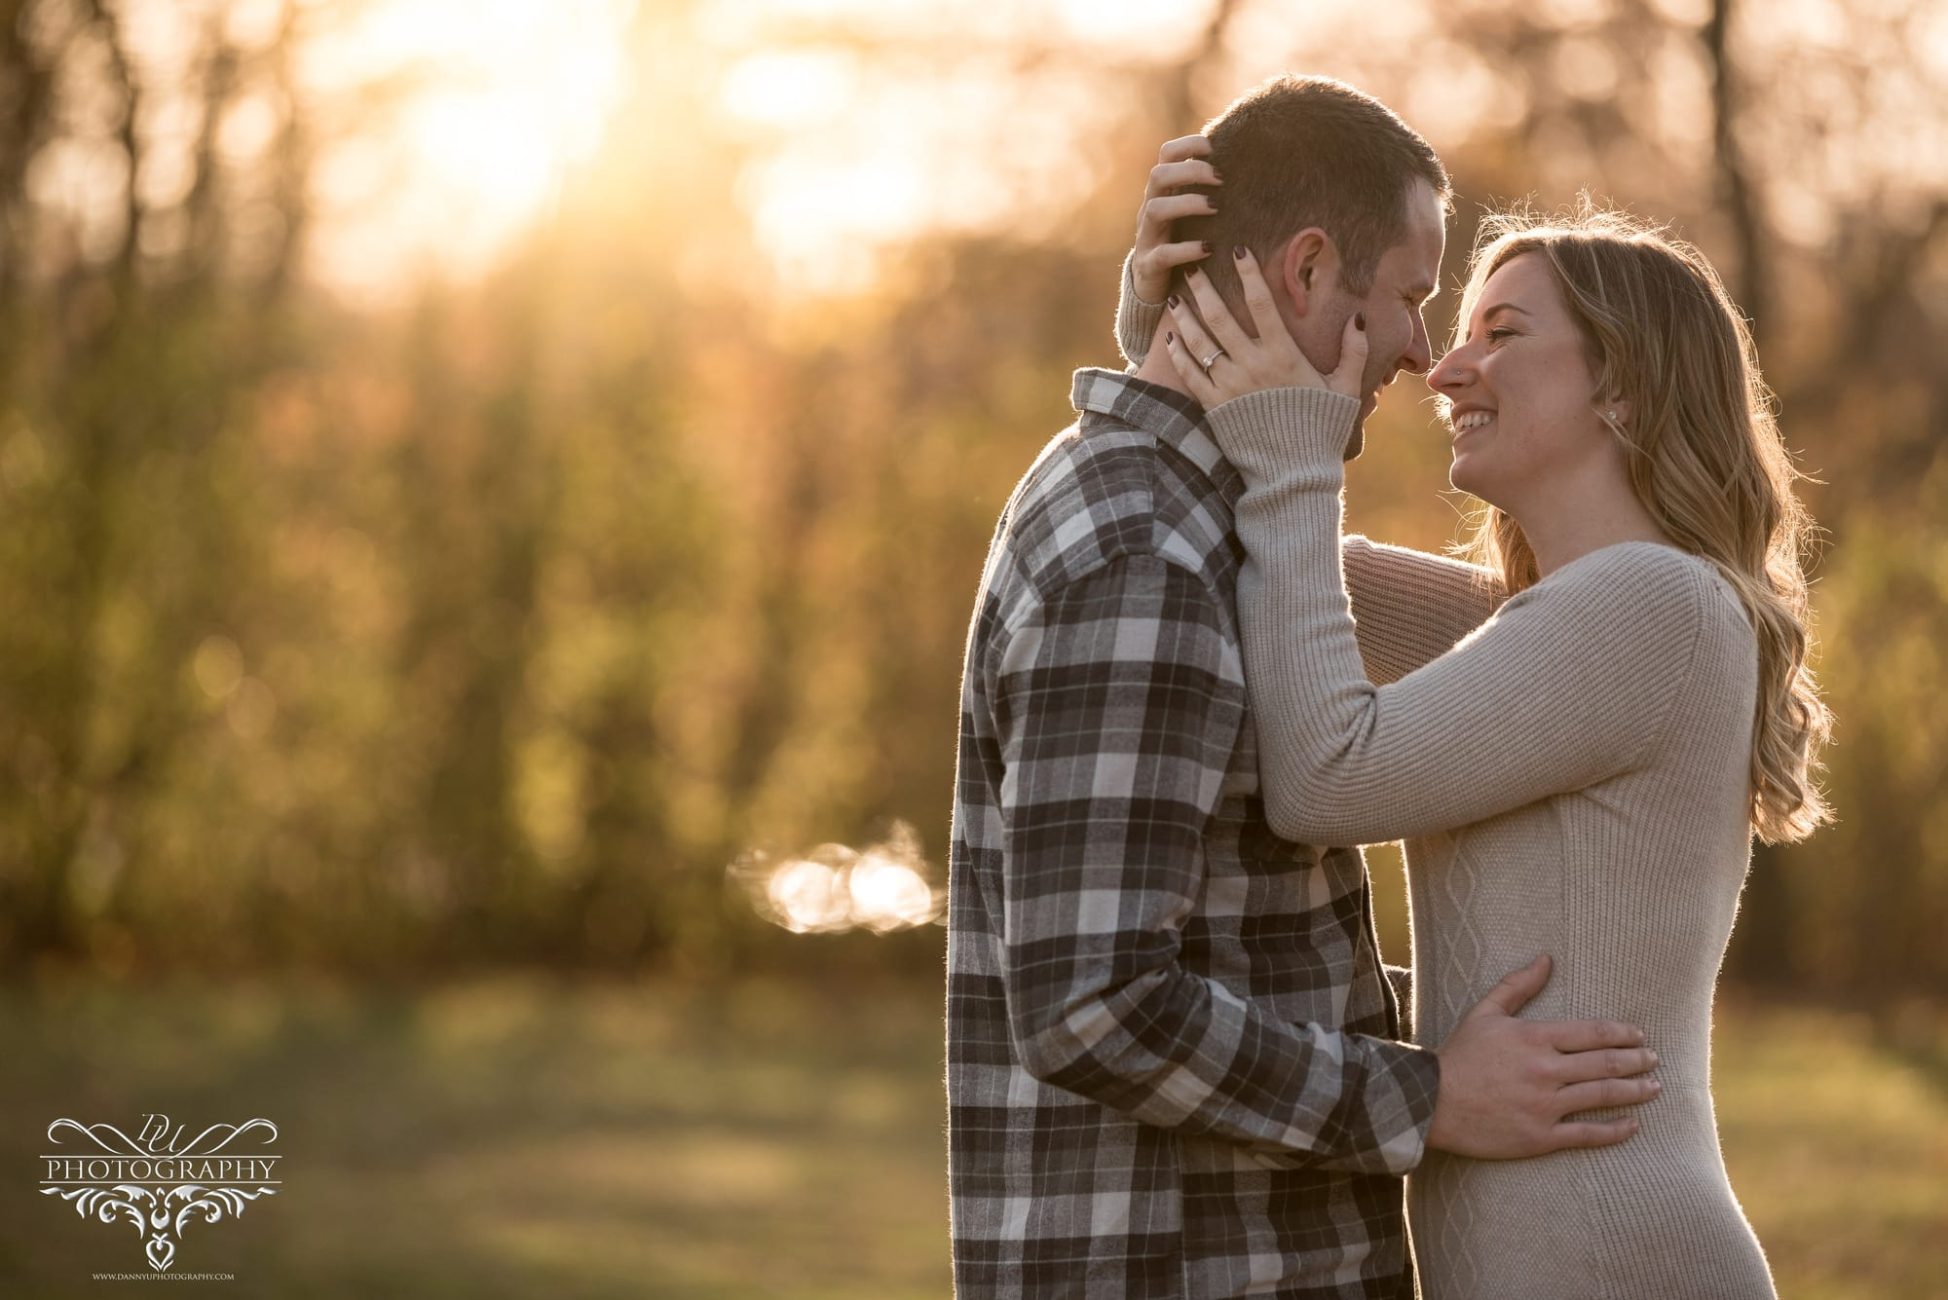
(1119, 702)
(1568, 684)
(1411, 607)
(1136, 320)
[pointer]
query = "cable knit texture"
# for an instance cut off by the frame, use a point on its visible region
(1572, 779)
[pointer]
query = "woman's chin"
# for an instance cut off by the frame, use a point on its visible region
(1464, 475)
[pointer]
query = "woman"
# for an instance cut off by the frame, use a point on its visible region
(1580, 775)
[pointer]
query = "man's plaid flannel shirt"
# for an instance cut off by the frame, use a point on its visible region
(1169, 1066)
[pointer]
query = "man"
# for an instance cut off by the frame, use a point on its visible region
(1173, 1057)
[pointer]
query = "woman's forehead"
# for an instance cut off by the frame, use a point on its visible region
(1524, 280)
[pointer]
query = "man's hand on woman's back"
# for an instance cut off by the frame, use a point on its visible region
(1510, 1086)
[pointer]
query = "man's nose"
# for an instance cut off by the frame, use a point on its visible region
(1420, 352)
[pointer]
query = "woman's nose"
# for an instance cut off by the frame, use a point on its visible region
(1449, 372)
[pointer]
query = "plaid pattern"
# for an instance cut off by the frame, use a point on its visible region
(1168, 1066)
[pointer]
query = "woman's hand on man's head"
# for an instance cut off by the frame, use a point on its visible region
(1218, 361)
(1180, 162)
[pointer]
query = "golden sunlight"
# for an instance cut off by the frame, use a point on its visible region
(809, 895)
(502, 97)
(888, 894)
(900, 118)
(881, 888)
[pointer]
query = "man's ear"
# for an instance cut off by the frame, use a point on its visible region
(1308, 265)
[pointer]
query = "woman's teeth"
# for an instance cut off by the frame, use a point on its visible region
(1472, 420)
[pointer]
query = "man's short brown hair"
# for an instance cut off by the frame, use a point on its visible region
(1309, 151)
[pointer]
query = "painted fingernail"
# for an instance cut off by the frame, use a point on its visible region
(1238, 251)
(1359, 321)
(1171, 300)
(1218, 174)
(1168, 337)
(1208, 249)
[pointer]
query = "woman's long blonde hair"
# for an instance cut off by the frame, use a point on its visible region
(1705, 457)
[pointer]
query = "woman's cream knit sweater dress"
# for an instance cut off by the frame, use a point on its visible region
(1571, 778)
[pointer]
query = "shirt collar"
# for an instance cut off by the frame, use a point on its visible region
(1173, 418)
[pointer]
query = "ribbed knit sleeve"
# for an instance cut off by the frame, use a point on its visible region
(1136, 320)
(1568, 684)
(1412, 606)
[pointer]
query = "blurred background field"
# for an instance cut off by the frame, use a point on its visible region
(490, 500)
(520, 1137)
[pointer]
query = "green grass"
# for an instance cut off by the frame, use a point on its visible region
(1838, 1150)
(525, 1138)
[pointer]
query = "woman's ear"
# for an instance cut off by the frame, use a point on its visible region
(1307, 266)
(1617, 412)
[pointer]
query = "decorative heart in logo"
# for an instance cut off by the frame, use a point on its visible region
(120, 1183)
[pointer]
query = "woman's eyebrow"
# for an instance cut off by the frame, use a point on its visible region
(1504, 306)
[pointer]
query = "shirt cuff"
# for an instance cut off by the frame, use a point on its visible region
(1416, 1076)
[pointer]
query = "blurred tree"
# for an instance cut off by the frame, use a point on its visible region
(121, 359)
(491, 627)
